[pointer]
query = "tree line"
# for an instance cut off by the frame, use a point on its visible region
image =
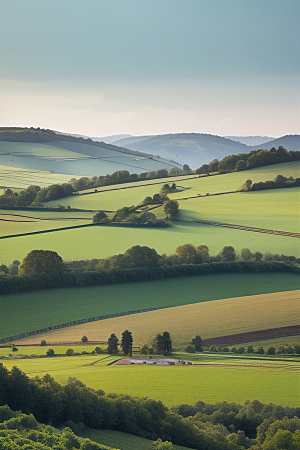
(279, 181)
(35, 195)
(224, 426)
(45, 269)
(244, 161)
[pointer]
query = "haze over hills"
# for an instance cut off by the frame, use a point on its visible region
(58, 153)
(250, 140)
(196, 149)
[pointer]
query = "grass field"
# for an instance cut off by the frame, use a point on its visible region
(219, 183)
(208, 319)
(23, 225)
(122, 441)
(66, 157)
(104, 241)
(22, 177)
(178, 384)
(248, 208)
(30, 311)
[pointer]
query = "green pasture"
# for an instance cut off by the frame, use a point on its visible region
(103, 241)
(109, 200)
(65, 157)
(17, 177)
(18, 227)
(34, 310)
(175, 385)
(122, 441)
(235, 180)
(277, 209)
(46, 215)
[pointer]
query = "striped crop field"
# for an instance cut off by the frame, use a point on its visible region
(208, 319)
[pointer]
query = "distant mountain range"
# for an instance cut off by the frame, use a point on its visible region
(196, 149)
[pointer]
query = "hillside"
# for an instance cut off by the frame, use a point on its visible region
(46, 150)
(290, 142)
(251, 140)
(196, 149)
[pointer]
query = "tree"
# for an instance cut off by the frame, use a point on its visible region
(126, 343)
(228, 253)
(42, 262)
(50, 352)
(84, 339)
(203, 253)
(160, 445)
(187, 254)
(246, 254)
(171, 209)
(271, 351)
(43, 343)
(70, 352)
(99, 217)
(241, 165)
(197, 342)
(140, 256)
(113, 343)
(250, 349)
(163, 343)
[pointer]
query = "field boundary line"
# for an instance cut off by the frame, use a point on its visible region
(242, 227)
(252, 336)
(73, 323)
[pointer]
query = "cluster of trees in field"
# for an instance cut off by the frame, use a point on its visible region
(279, 182)
(224, 426)
(140, 214)
(44, 269)
(35, 195)
(244, 161)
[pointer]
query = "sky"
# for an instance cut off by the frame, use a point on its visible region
(142, 67)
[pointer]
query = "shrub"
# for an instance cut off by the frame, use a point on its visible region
(43, 343)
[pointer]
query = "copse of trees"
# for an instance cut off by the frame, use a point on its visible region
(279, 182)
(244, 161)
(200, 426)
(34, 195)
(163, 344)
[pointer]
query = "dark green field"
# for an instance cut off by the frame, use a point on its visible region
(34, 310)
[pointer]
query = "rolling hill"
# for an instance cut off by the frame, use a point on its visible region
(196, 149)
(46, 150)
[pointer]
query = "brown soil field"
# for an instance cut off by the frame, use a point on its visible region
(209, 320)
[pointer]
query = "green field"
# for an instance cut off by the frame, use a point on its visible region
(18, 177)
(248, 208)
(104, 241)
(218, 183)
(175, 385)
(122, 441)
(78, 159)
(34, 310)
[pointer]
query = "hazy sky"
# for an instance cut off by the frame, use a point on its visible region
(100, 67)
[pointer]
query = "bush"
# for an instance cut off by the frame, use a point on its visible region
(70, 352)
(84, 339)
(98, 350)
(190, 349)
(43, 343)
(50, 352)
